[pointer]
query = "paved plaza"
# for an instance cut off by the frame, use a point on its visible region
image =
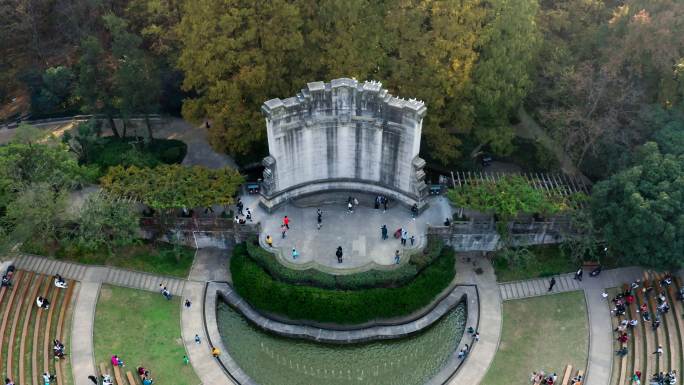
(358, 233)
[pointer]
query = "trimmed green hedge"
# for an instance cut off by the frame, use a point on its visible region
(299, 302)
(113, 151)
(364, 280)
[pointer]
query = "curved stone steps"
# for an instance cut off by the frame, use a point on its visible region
(48, 327)
(27, 284)
(17, 283)
(60, 328)
(661, 360)
(669, 361)
(677, 331)
(25, 328)
(648, 362)
(637, 336)
(617, 363)
(35, 364)
(653, 359)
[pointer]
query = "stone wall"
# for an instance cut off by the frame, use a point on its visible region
(482, 235)
(343, 135)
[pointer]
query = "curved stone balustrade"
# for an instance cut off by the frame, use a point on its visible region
(369, 332)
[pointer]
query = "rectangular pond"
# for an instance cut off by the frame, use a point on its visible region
(275, 360)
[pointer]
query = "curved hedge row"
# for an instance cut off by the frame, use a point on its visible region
(364, 280)
(299, 302)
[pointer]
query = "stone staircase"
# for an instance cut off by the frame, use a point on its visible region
(109, 275)
(48, 266)
(537, 287)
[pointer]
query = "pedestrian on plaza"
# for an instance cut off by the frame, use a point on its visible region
(552, 283)
(412, 239)
(295, 254)
(396, 257)
(188, 303)
(197, 339)
(404, 237)
(319, 218)
(350, 208)
(384, 203)
(578, 274)
(338, 253)
(414, 211)
(249, 215)
(283, 231)
(239, 206)
(383, 229)
(476, 336)
(186, 360)
(659, 351)
(286, 222)
(215, 352)
(377, 202)
(269, 241)
(92, 379)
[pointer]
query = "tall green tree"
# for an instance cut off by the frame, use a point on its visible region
(235, 55)
(105, 222)
(94, 81)
(431, 49)
(502, 78)
(641, 210)
(136, 82)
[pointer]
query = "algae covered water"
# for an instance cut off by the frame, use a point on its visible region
(274, 360)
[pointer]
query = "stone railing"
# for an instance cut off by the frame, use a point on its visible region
(198, 232)
(482, 235)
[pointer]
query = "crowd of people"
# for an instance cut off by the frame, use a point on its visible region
(621, 304)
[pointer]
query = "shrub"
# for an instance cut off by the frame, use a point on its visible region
(298, 302)
(367, 279)
(112, 151)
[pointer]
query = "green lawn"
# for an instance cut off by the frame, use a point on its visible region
(546, 260)
(143, 329)
(542, 333)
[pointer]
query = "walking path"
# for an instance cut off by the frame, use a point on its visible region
(600, 358)
(482, 352)
(209, 265)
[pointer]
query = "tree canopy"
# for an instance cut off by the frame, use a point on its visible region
(641, 210)
(167, 187)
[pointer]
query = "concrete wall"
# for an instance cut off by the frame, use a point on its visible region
(482, 235)
(343, 131)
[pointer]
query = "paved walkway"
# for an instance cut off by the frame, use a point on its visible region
(483, 352)
(209, 265)
(358, 233)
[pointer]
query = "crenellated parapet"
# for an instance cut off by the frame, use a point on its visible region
(342, 135)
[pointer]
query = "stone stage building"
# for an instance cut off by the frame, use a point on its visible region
(343, 136)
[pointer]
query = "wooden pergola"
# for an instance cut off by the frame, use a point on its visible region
(551, 184)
